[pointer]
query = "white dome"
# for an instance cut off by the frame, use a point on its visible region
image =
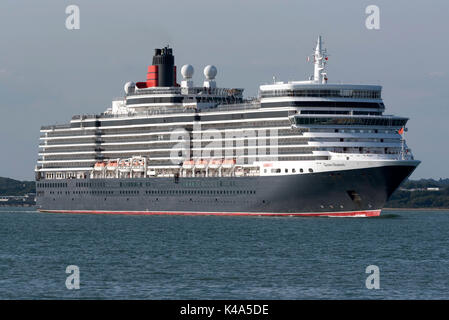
(129, 87)
(187, 71)
(210, 72)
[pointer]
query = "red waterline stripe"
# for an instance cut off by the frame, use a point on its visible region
(368, 213)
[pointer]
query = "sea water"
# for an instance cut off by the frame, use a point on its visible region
(210, 257)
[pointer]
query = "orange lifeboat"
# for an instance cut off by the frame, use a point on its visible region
(228, 163)
(112, 165)
(99, 165)
(188, 164)
(138, 165)
(215, 163)
(201, 164)
(124, 165)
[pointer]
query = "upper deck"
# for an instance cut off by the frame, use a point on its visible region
(320, 90)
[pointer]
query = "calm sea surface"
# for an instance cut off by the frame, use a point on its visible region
(185, 257)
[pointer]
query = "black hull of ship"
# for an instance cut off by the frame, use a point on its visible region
(359, 192)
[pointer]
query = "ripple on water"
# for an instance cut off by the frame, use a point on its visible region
(185, 257)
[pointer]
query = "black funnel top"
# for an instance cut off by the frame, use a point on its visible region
(164, 59)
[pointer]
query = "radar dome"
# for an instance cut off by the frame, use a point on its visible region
(129, 87)
(187, 71)
(210, 72)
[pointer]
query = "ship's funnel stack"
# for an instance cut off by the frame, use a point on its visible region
(163, 71)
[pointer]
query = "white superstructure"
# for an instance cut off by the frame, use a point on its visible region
(296, 127)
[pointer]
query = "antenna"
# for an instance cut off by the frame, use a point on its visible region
(320, 58)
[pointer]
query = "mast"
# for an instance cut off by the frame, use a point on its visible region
(320, 59)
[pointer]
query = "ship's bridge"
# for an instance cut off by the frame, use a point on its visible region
(316, 95)
(326, 90)
(309, 94)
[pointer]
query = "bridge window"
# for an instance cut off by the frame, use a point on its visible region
(345, 121)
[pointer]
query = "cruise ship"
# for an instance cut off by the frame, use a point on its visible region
(300, 148)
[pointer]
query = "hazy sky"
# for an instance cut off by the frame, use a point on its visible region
(49, 73)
